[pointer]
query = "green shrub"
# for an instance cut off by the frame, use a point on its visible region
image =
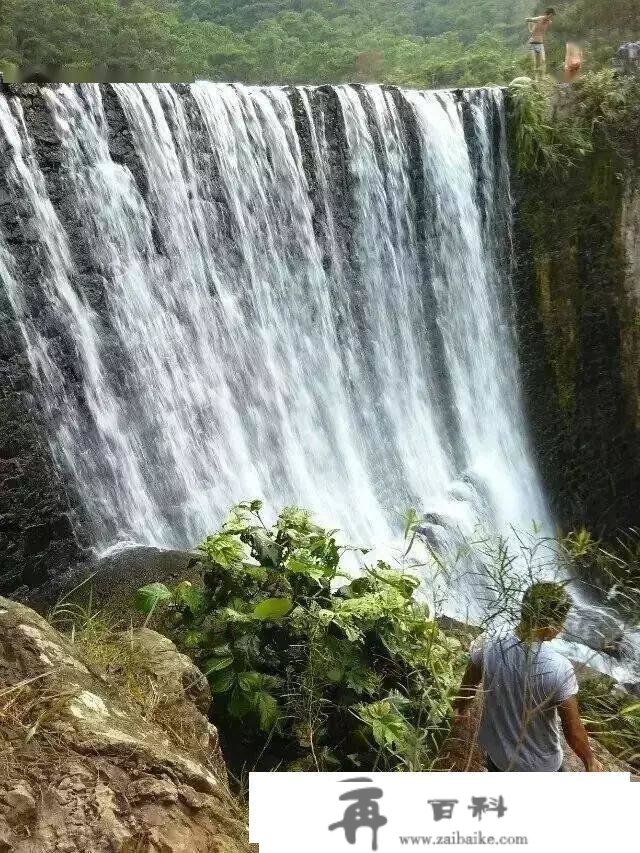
(310, 668)
(613, 718)
(609, 105)
(554, 129)
(613, 567)
(543, 142)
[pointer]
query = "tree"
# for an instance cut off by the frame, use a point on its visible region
(431, 43)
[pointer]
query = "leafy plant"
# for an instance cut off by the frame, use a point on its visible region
(308, 667)
(554, 130)
(612, 567)
(609, 105)
(544, 142)
(613, 718)
(148, 597)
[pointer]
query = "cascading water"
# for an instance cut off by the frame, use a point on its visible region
(305, 299)
(298, 294)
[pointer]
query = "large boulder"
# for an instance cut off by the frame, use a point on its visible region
(596, 627)
(627, 60)
(86, 768)
(113, 577)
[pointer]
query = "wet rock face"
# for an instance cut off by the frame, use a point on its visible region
(630, 342)
(36, 517)
(37, 512)
(96, 774)
(578, 305)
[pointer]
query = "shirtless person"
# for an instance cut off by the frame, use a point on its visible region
(538, 28)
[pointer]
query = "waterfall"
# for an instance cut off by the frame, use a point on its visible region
(297, 294)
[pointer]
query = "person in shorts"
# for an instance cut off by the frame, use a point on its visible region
(538, 29)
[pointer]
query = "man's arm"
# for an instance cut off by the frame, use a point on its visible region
(470, 681)
(576, 734)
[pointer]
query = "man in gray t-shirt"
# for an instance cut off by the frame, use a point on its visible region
(528, 689)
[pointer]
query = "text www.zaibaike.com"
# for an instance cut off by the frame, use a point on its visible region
(461, 838)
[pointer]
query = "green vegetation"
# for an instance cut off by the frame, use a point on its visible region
(309, 668)
(609, 108)
(542, 142)
(435, 43)
(312, 669)
(613, 718)
(552, 135)
(613, 567)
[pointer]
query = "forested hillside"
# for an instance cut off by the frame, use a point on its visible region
(410, 42)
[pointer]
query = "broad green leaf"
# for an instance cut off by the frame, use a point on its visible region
(234, 615)
(388, 727)
(148, 597)
(272, 608)
(222, 682)
(221, 651)
(302, 562)
(215, 664)
(267, 549)
(249, 681)
(335, 674)
(239, 704)
(189, 595)
(248, 646)
(252, 506)
(268, 712)
(224, 549)
(192, 639)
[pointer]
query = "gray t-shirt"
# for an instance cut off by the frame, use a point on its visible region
(522, 685)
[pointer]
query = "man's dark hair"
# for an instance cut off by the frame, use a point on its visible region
(545, 605)
(551, 11)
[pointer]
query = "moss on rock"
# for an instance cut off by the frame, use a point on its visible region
(577, 235)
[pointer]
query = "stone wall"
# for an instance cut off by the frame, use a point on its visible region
(578, 294)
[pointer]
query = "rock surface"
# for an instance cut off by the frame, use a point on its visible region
(576, 286)
(39, 515)
(628, 58)
(596, 627)
(113, 578)
(85, 769)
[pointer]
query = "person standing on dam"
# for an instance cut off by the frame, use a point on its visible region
(538, 29)
(528, 689)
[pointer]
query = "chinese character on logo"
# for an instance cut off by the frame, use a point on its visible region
(442, 809)
(481, 805)
(363, 812)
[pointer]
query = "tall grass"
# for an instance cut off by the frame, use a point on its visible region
(545, 143)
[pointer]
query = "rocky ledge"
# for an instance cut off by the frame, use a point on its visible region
(85, 768)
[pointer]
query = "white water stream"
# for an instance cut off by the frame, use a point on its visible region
(251, 356)
(320, 317)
